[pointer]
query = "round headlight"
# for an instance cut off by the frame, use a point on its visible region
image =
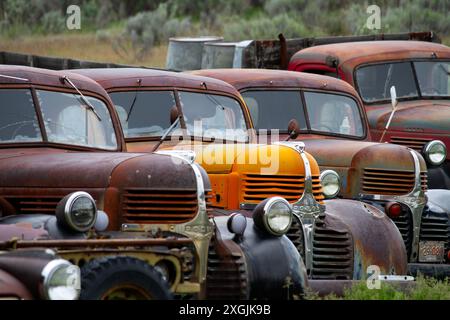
(77, 211)
(331, 183)
(435, 152)
(61, 280)
(273, 215)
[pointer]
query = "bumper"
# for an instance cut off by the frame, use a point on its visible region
(439, 177)
(439, 271)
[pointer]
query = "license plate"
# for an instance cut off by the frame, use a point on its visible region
(431, 251)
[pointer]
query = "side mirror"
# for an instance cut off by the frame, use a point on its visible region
(393, 97)
(293, 129)
(174, 114)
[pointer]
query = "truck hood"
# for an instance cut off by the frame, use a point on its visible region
(335, 152)
(430, 116)
(257, 158)
(58, 169)
(81, 170)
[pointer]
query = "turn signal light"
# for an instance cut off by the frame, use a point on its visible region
(393, 209)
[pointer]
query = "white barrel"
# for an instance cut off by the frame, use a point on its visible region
(218, 55)
(186, 53)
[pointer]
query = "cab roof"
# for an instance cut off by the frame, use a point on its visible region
(264, 78)
(129, 77)
(355, 53)
(23, 75)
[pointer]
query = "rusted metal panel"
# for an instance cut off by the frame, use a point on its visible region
(371, 247)
(269, 54)
(11, 288)
(94, 243)
(128, 78)
(368, 51)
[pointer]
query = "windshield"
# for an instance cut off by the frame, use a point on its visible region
(213, 116)
(147, 114)
(68, 120)
(144, 113)
(327, 113)
(18, 121)
(434, 78)
(374, 81)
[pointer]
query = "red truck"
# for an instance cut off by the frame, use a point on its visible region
(417, 72)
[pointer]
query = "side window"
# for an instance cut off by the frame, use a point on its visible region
(144, 113)
(18, 121)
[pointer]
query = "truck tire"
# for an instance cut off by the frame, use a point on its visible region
(122, 278)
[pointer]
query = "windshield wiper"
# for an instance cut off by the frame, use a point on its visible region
(168, 131)
(88, 104)
(444, 70)
(14, 78)
(134, 99)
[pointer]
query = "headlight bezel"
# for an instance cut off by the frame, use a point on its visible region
(261, 216)
(428, 147)
(333, 173)
(50, 270)
(64, 211)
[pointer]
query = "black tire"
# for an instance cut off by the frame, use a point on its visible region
(122, 275)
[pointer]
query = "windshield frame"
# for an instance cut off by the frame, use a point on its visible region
(175, 91)
(301, 91)
(416, 80)
(37, 107)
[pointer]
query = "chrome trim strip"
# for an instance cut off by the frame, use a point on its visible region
(306, 209)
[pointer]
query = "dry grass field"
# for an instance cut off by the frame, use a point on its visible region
(88, 47)
(84, 47)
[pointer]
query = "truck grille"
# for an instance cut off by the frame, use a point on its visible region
(405, 226)
(226, 276)
(384, 181)
(413, 143)
(332, 253)
(295, 234)
(435, 229)
(34, 204)
(159, 206)
(258, 187)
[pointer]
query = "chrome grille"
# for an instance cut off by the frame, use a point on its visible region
(435, 229)
(413, 143)
(159, 206)
(404, 224)
(257, 187)
(424, 181)
(332, 253)
(295, 234)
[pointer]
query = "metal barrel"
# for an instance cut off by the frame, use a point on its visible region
(218, 55)
(186, 53)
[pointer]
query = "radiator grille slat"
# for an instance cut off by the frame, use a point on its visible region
(226, 277)
(34, 204)
(413, 143)
(258, 187)
(392, 182)
(332, 253)
(159, 206)
(435, 229)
